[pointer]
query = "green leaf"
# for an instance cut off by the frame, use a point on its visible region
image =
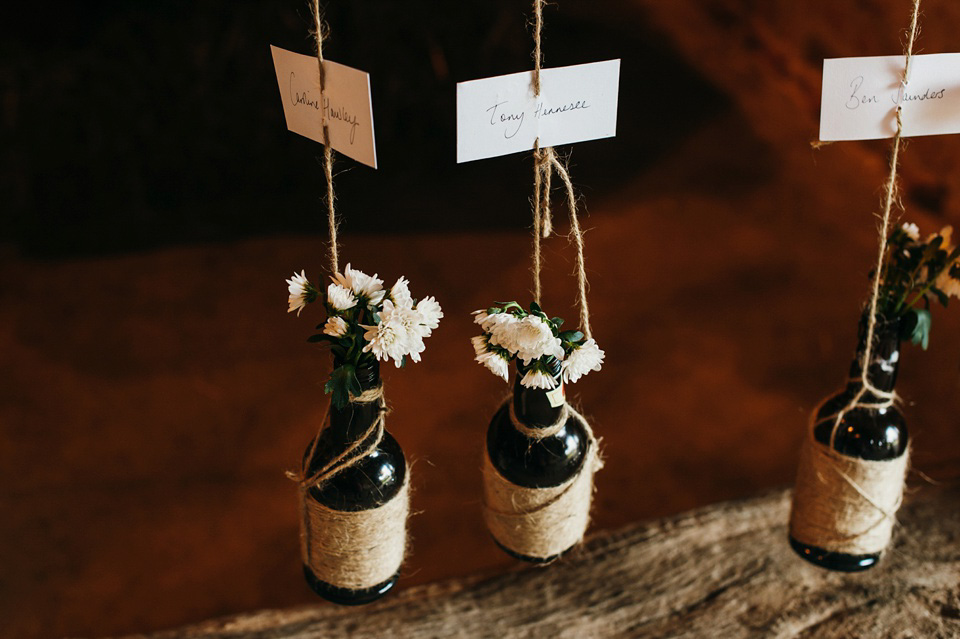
(571, 336)
(918, 326)
(535, 308)
(343, 381)
(339, 351)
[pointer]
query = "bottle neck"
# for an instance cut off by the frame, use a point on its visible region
(884, 356)
(349, 423)
(535, 406)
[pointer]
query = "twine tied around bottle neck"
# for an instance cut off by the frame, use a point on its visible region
(538, 433)
(319, 30)
(885, 399)
(361, 447)
(545, 163)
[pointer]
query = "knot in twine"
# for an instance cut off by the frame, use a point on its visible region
(842, 503)
(541, 523)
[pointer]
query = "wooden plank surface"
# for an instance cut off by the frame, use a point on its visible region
(721, 571)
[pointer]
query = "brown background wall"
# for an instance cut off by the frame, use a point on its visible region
(154, 390)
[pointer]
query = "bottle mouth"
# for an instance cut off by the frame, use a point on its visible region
(552, 364)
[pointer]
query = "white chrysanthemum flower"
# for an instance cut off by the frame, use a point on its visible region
(479, 345)
(415, 346)
(400, 293)
(502, 328)
(911, 230)
(533, 339)
(495, 363)
(363, 285)
(405, 326)
(536, 378)
(300, 291)
(487, 321)
(948, 284)
(588, 357)
(340, 298)
(386, 342)
(335, 327)
(430, 315)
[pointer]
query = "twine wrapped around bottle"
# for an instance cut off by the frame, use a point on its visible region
(541, 523)
(355, 549)
(845, 504)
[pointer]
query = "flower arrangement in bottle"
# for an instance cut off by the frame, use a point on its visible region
(852, 466)
(916, 274)
(540, 453)
(354, 478)
(512, 333)
(365, 322)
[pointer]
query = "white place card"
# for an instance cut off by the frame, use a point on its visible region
(500, 115)
(860, 97)
(346, 103)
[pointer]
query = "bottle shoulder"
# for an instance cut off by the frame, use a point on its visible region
(536, 463)
(874, 434)
(369, 483)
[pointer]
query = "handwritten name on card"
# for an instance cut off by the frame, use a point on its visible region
(860, 97)
(500, 115)
(345, 103)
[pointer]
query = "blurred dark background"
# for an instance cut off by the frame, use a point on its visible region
(153, 389)
(136, 125)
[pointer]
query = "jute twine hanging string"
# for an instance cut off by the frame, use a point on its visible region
(327, 151)
(841, 503)
(545, 163)
(348, 549)
(541, 523)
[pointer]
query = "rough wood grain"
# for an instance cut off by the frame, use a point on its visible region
(721, 571)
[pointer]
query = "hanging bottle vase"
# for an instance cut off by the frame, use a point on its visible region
(353, 525)
(538, 466)
(852, 465)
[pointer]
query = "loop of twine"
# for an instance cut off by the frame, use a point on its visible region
(545, 163)
(327, 151)
(887, 398)
(539, 433)
(361, 447)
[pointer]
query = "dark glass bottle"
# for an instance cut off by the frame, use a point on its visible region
(874, 434)
(535, 463)
(370, 483)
